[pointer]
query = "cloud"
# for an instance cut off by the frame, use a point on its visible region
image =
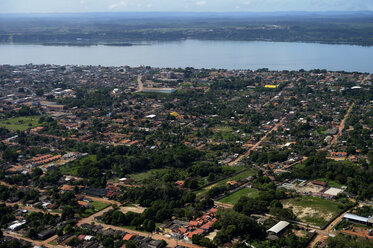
(121, 4)
(201, 3)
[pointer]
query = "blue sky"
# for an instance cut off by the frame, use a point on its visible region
(46, 6)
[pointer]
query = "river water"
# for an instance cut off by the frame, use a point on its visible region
(200, 54)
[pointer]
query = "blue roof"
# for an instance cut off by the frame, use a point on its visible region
(355, 217)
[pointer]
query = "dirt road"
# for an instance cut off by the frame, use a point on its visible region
(171, 242)
(140, 85)
(258, 143)
(44, 243)
(340, 128)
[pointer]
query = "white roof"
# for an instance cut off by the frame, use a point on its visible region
(333, 191)
(355, 217)
(356, 87)
(14, 226)
(88, 237)
(279, 227)
(150, 116)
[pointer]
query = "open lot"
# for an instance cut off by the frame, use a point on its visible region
(233, 198)
(238, 177)
(72, 168)
(141, 177)
(136, 209)
(98, 206)
(20, 123)
(314, 210)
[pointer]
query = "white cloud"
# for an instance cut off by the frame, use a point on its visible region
(121, 4)
(201, 3)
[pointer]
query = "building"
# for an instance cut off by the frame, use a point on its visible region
(46, 234)
(160, 90)
(271, 86)
(16, 226)
(319, 183)
(331, 131)
(279, 228)
(333, 191)
(358, 219)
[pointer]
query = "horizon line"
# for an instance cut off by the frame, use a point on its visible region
(186, 12)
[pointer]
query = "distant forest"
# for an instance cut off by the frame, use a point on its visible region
(116, 28)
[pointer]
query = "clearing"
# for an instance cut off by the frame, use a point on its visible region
(238, 177)
(20, 123)
(233, 198)
(314, 210)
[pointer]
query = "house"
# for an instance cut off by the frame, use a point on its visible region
(95, 192)
(67, 187)
(179, 183)
(129, 236)
(232, 183)
(83, 204)
(46, 234)
(154, 244)
(319, 183)
(207, 226)
(331, 131)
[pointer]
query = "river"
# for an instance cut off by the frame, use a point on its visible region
(199, 54)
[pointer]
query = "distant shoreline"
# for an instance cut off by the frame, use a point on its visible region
(87, 44)
(149, 43)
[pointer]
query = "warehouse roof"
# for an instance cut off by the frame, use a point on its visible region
(279, 227)
(333, 191)
(355, 217)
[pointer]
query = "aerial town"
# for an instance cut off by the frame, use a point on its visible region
(95, 156)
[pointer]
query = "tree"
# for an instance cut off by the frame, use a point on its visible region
(32, 234)
(150, 226)
(10, 155)
(233, 224)
(108, 242)
(67, 213)
(39, 92)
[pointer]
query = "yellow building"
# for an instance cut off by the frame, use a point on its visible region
(175, 114)
(271, 86)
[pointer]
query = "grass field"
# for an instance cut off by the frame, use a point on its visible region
(233, 198)
(53, 242)
(331, 183)
(72, 168)
(140, 177)
(314, 210)
(98, 206)
(20, 123)
(222, 129)
(238, 177)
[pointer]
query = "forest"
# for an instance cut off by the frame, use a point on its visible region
(116, 28)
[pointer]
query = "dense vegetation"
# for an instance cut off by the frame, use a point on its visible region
(351, 27)
(358, 179)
